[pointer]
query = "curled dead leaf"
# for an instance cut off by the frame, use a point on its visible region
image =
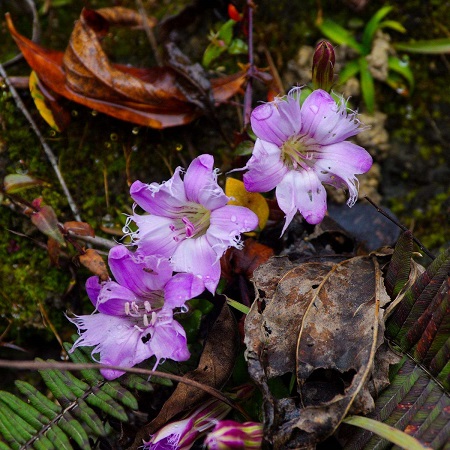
(332, 312)
(151, 97)
(94, 262)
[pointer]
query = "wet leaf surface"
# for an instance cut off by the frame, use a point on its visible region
(332, 312)
(156, 97)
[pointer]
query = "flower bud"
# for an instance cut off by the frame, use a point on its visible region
(323, 66)
(228, 434)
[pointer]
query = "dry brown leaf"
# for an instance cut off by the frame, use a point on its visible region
(79, 228)
(322, 322)
(94, 262)
(151, 97)
(214, 368)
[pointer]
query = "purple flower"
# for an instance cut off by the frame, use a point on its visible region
(299, 147)
(228, 434)
(190, 221)
(135, 313)
(182, 434)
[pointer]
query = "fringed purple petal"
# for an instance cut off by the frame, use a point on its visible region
(201, 185)
(180, 288)
(197, 257)
(265, 168)
(161, 199)
(138, 272)
(302, 191)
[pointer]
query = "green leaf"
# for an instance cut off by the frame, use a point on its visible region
(237, 305)
(17, 182)
(237, 47)
(393, 25)
(393, 435)
(212, 52)
(339, 35)
(398, 66)
(367, 85)
(430, 47)
(225, 32)
(372, 26)
(351, 69)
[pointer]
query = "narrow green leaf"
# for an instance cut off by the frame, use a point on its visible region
(372, 26)
(212, 52)
(397, 65)
(89, 417)
(27, 412)
(101, 400)
(22, 431)
(117, 392)
(430, 47)
(367, 85)
(393, 435)
(3, 445)
(237, 47)
(393, 25)
(237, 305)
(351, 69)
(8, 431)
(137, 382)
(339, 35)
(74, 429)
(43, 404)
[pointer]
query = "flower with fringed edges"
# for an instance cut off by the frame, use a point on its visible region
(301, 146)
(134, 318)
(190, 221)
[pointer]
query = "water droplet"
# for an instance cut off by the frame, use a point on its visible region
(94, 112)
(135, 130)
(74, 113)
(114, 136)
(64, 356)
(107, 144)
(52, 133)
(233, 218)
(134, 148)
(179, 147)
(107, 221)
(21, 167)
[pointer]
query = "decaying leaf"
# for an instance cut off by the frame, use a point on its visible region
(46, 221)
(214, 368)
(322, 322)
(94, 262)
(15, 182)
(79, 228)
(151, 97)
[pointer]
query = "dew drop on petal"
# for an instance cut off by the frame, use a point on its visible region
(233, 218)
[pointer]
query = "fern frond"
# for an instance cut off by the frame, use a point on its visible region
(76, 415)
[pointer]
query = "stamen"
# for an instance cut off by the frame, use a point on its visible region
(147, 306)
(127, 308)
(145, 320)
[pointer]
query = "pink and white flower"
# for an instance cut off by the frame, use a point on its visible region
(299, 147)
(190, 221)
(134, 318)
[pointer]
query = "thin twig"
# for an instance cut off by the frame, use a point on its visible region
(53, 365)
(48, 151)
(251, 67)
(149, 32)
(401, 226)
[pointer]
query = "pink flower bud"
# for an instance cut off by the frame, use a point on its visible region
(323, 66)
(228, 434)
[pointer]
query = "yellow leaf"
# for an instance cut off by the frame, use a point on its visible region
(252, 200)
(39, 101)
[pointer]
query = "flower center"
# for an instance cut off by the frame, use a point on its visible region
(298, 151)
(192, 220)
(144, 313)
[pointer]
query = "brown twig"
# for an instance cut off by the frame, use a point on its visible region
(149, 32)
(48, 151)
(38, 365)
(401, 226)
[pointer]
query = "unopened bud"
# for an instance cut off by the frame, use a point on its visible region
(228, 434)
(323, 66)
